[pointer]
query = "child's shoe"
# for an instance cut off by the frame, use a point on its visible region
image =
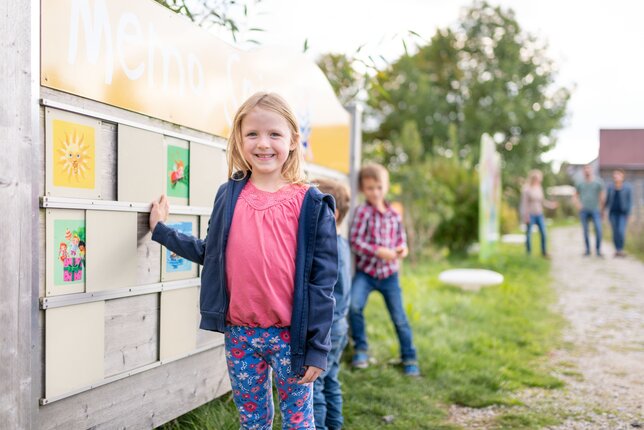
(411, 369)
(360, 360)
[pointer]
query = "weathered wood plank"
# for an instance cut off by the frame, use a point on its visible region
(19, 222)
(107, 174)
(131, 333)
(148, 269)
(145, 400)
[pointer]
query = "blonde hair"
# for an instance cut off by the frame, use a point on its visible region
(340, 193)
(292, 169)
(534, 174)
(373, 171)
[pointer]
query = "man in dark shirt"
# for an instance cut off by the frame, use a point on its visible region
(618, 203)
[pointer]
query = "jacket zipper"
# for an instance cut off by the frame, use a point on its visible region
(307, 273)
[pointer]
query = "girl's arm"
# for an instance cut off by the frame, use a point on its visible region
(550, 204)
(187, 246)
(324, 274)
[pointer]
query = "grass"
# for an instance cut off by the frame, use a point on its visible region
(475, 349)
(635, 238)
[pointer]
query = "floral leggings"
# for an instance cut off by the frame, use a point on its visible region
(251, 353)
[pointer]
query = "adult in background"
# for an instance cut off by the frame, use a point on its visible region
(618, 203)
(589, 199)
(532, 203)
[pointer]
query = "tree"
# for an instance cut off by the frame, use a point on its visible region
(439, 194)
(510, 90)
(427, 201)
(351, 74)
(341, 72)
(228, 14)
(485, 76)
(419, 87)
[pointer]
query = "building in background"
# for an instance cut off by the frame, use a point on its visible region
(576, 171)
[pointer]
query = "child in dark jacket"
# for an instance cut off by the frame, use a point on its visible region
(269, 265)
(327, 392)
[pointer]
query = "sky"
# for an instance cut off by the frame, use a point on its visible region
(597, 45)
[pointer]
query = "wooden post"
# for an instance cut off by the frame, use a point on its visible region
(355, 160)
(19, 72)
(355, 149)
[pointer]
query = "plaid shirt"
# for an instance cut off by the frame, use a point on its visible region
(371, 230)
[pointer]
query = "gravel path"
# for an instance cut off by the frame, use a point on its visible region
(602, 363)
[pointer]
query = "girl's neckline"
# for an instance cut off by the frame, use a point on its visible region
(260, 199)
(284, 187)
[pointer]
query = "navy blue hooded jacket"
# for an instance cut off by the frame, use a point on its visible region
(316, 270)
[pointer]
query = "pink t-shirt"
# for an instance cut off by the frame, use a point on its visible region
(260, 256)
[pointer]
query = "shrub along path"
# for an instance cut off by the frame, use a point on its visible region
(602, 357)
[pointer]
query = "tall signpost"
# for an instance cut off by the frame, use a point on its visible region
(489, 198)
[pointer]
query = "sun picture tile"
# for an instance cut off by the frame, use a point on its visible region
(74, 155)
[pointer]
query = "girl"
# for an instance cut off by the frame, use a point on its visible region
(269, 266)
(532, 203)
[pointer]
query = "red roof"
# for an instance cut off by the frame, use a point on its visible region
(621, 148)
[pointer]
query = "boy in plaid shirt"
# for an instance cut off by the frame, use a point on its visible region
(378, 240)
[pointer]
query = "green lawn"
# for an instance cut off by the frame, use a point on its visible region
(635, 238)
(475, 349)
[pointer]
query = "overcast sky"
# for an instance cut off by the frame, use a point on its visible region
(597, 45)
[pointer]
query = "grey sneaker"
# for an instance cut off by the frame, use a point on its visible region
(411, 369)
(360, 360)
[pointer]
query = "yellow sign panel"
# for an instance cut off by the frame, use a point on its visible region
(137, 55)
(74, 155)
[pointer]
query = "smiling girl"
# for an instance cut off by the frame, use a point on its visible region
(269, 266)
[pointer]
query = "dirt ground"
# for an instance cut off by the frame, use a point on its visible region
(602, 362)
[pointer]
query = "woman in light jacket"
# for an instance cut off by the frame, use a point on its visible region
(532, 204)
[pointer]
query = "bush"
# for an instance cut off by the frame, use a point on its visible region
(439, 194)
(440, 197)
(458, 231)
(509, 218)
(427, 201)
